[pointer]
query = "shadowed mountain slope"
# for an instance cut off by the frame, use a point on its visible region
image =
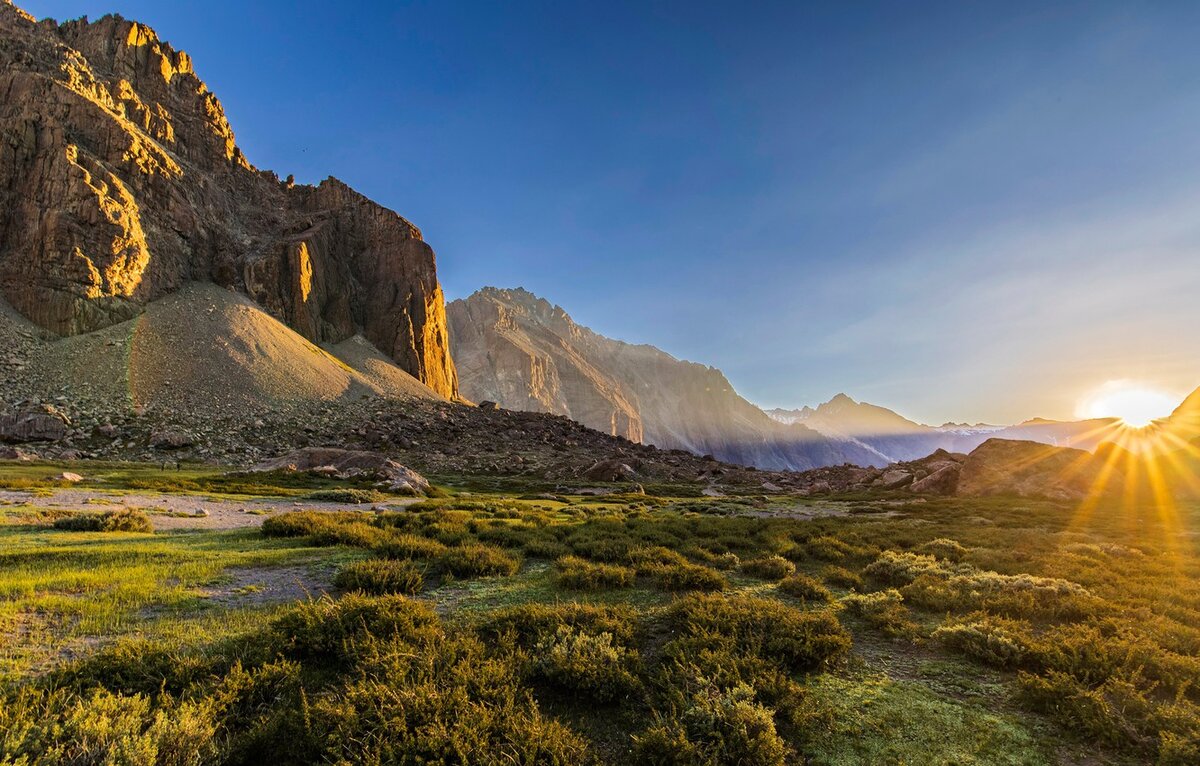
(520, 351)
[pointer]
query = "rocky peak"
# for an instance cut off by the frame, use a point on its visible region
(122, 181)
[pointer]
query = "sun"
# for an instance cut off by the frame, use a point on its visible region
(1134, 404)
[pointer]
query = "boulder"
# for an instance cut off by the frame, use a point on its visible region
(894, 478)
(169, 440)
(1034, 470)
(40, 424)
(348, 464)
(610, 470)
(943, 481)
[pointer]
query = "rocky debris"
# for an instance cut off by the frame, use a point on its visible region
(171, 440)
(15, 453)
(346, 464)
(1031, 469)
(122, 180)
(610, 470)
(486, 405)
(43, 423)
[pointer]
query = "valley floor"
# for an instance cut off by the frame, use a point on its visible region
(520, 626)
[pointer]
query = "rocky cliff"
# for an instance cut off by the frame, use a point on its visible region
(121, 181)
(518, 350)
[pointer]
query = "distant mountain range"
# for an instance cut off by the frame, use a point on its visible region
(896, 438)
(524, 353)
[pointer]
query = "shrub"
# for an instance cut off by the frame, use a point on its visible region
(545, 548)
(769, 568)
(123, 520)
(409, 547)
(478, 560)
(347, 495)
(324, 629)
(380, 576)
(586, 663)
(993, 640)
(897, 568)
(805, 588)
(884, 610)
(763, 628)
(717, 727)
(945, 548)
(580, 574)
(842, 577)
(828, 548)
(305, 523)
(530, 624)
(356, 534)
(683, 577)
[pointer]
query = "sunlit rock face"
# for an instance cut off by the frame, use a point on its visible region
(121, 180)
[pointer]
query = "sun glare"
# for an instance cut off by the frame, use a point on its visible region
(1133, 404)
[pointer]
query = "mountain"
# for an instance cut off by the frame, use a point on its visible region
(121, 183)
(524, 353)
(899, 439)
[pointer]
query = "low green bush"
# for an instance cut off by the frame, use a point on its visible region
(122, 520)
(685, 577)
(589, 664)
(993, 640)
(764, 628)
(715, 728)
(530, 624)
(884, 610)
(769, 568)
(580, 574)
(478, 560)
(380, 576)
(806, 589)
(843, 578)
(347, 495)
(405, 546)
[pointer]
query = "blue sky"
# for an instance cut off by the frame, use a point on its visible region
(967, 211)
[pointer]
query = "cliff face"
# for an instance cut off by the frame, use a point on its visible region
(520, 351)
(121, 180)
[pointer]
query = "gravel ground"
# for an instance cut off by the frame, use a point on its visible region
(171, 513)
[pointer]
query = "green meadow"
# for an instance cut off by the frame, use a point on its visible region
(507, 626)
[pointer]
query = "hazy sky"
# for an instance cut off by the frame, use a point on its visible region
(967, 211)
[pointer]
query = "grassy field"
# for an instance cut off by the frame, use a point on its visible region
(500, 627)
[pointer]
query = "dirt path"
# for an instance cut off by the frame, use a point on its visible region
(185, 512)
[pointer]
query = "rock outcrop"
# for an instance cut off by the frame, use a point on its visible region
(524, 353)
(348, 464)
(1030, 469)
(121, 181)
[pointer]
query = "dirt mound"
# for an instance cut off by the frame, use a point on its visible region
(207, 350)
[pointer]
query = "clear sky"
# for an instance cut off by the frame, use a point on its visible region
(961, 210)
